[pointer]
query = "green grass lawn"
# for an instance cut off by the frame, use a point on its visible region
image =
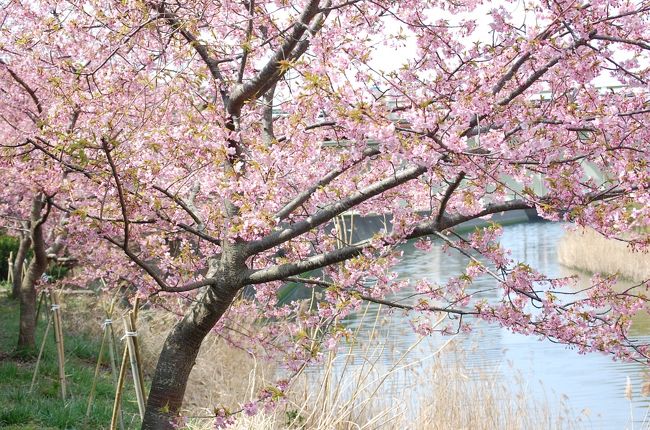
(44, 408)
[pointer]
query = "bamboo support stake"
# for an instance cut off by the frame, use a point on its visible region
(10, 268)
(119, 388)
(97, 367)
(40, 303)
(24, 272)
(134, 316)
(58, 336)
(129, 335)
(40, 352)
(112, 350)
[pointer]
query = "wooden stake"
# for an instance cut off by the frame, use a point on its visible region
(118, 390)
(138, 358)
(130, 335)
(58, 336)
(97, 367)
(40, 352)
(10, 268)
(112, 349)
(24, 272)
(40, 303)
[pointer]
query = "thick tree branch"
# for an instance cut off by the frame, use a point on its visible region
(279, 272)
(267, 116)
(639, 43)
(450, 191)
(492, 208)
(334, 209)
(510, 73)
(293, 47)
(328, 178)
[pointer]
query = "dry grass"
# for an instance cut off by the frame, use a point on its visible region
(222, 376)
(444, 395)
(359, 389)
(589, 251)
(435, 391)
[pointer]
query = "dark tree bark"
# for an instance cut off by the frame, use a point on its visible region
(178, 357)
(38, 265)
(19, 261)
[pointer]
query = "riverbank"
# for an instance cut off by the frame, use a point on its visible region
(588, 251)
(353, 228)
(325, 398)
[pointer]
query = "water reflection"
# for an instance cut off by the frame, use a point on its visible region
(592, 383)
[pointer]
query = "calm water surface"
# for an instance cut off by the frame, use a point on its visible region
(591, 386)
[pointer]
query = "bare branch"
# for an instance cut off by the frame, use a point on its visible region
(151, 271)
(246, 47)
(26, 87)
(71, 209)
(200, 234)
(384, 302)
(510, 73)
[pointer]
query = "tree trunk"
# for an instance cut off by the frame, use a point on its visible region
(38, 265)
(27, 330)
(178, 356)
(23, 248)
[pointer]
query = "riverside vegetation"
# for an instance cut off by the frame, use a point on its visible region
(368, 398)
(586, 249)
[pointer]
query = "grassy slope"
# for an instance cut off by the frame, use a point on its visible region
(44, 409)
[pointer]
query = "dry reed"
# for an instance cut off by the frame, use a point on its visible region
(367, 387)
(435, 390)
(589, 251)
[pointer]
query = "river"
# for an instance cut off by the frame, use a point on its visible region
(591, 387)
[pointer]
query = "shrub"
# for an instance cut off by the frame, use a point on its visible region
(8, 244)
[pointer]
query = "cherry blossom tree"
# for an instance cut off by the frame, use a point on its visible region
(206, 150)
(25, 211)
